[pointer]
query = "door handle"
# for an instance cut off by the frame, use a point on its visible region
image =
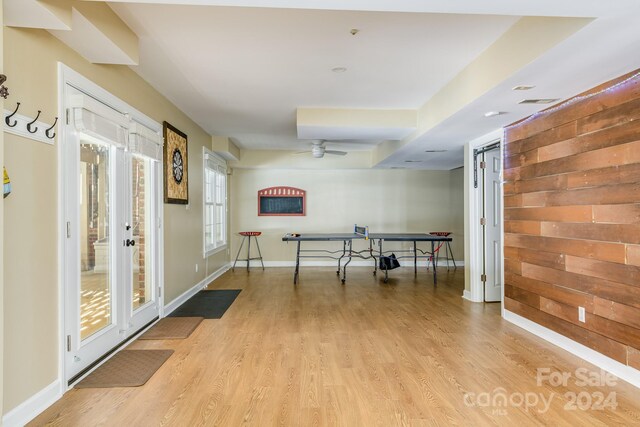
(129, 242)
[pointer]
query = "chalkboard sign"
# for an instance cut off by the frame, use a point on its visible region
(281, 201)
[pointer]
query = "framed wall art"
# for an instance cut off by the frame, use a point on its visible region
(176, 172)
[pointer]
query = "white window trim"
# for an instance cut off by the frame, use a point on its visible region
(210, 155)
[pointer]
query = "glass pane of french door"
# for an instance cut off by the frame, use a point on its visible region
(140, 227)
(96, 302)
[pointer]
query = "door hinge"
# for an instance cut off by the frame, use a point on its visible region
(67, 116)
(68, 342)
(68, 230)
(483, 221)
(483, 277)
(159, 292)
(483, 165)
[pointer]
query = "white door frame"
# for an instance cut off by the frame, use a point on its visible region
(473, 200)
(66, 76)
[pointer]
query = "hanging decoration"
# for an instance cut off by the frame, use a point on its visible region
(7, 183)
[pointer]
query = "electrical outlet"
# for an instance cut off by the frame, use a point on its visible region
(581, 314)
(196, 268)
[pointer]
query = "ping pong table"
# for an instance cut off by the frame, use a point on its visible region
(361, 233)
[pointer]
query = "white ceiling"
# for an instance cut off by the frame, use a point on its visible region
(252, 68)
(242, 72)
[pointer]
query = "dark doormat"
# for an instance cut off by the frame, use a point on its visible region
(207, 304)
(172, 328)
(128, 368)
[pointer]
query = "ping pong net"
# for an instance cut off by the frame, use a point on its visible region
(361, 231)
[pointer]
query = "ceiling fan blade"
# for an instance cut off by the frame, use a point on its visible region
(301, 152)
(336, 152)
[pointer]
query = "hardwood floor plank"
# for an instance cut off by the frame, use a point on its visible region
(361, 354)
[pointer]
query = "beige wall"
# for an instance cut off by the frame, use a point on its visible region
(456, 210)
(31, 222)
(385, 200)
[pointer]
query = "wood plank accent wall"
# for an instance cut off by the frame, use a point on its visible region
(572, 219)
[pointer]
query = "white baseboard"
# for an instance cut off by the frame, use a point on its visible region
(168, 308)
(358, 263)
(623, 372)
(467, 295)
(32, 407)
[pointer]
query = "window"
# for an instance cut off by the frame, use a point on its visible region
(215, 202)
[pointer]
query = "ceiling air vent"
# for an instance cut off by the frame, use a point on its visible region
(539, 101)
(435, 151)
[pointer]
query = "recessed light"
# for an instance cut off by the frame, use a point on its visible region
(539, 101)
(522, 87)
(494, 113)
(435, 151)
(339, 69)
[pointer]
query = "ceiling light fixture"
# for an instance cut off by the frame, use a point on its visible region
(539, 101)
(494, 113)
(523, 87)
(339, 69)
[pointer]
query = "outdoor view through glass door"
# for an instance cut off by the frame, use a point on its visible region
(111, 177)
(95, 241)
(141, 279)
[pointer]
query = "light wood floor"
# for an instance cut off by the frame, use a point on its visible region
(364, 354)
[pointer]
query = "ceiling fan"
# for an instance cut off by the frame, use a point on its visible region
(318, 150)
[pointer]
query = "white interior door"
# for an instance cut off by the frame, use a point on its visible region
(492, 208)
(111, 205)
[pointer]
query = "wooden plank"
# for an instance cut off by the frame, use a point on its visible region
(547, 259)
(604, 251)
(614, 116)
(557, 293)
(545, 183)
(512, 201)
(621, 273)
(563, 311)
(509, 188)
(538, 199)
(604, 345)
(521, 159)
(612, 194)
(523, 296)
(623, 233)
(617, 214)
(616, 331)
(604, 137)
(553, 213)
(633, 255)
(610, 156)
(602, 288)
(612, 175)
(633, 357)
(541, 139)
(511, 174)
(621, 313)
(522, 227)
(513, 266)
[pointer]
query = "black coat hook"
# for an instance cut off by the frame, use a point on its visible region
(46, 132)
(32, 123)
(6, 119)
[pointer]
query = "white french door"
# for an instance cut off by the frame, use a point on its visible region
(111, 205)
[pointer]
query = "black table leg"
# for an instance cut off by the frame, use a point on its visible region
(433, 258)
(295, 274)
(415, 259)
